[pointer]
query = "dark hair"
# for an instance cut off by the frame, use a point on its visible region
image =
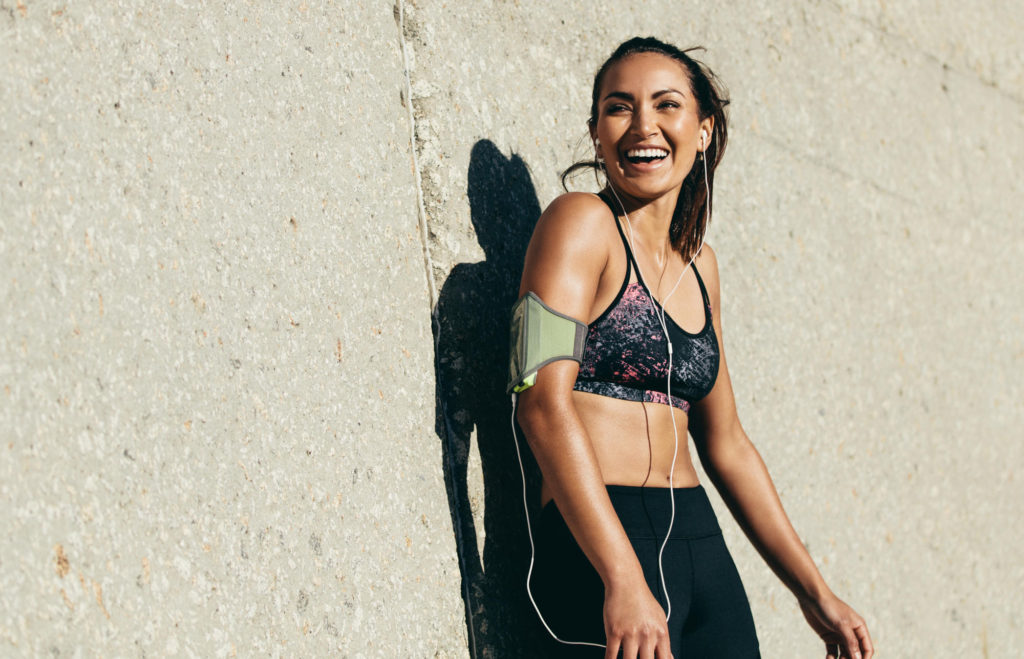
(689, 220)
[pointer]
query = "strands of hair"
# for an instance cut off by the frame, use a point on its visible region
(689, 220)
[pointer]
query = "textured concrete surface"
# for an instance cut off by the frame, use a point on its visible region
(254, 285)
(868, 229)
(217, 385)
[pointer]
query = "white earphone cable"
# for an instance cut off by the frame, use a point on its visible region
(660, 315)
(529, 533)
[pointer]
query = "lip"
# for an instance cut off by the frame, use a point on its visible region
(647, 145)
(644, 167)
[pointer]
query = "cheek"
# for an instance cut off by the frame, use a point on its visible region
(689, 130)
(610, 129)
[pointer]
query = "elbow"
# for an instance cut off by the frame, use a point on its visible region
(531, 413)
(727, 451)
(538, 413)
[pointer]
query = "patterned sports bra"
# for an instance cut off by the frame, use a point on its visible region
(626, 356)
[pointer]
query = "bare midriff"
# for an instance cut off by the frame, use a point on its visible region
(634, 442)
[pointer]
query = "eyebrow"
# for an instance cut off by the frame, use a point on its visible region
(629, 97)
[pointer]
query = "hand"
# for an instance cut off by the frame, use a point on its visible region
(845, 633)
(634, 623)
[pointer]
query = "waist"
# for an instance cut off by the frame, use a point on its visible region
(645, 512)
(636, 427)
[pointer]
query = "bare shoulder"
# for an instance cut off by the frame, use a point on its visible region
(568, 253)
(577, 216)
(707, 261)
(707, 264)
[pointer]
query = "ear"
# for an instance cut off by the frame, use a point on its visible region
(593, 131)
(708, 126)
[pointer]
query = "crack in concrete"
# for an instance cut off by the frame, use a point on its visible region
(822, 163)
(935, 58)
(428, 265)
(421, 208)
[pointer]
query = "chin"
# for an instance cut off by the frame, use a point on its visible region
(646, 188)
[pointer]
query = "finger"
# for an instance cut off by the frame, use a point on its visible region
(864, 637)
(611, 650)
(630, 648)
(831, 651)
(664, 649)
(850, 645)
(646, 650)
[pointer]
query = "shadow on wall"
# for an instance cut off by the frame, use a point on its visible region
(471, 363)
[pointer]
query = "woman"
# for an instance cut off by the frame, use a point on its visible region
(609, 434)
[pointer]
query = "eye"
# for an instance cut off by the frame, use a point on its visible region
(616, 108)
(668, 105)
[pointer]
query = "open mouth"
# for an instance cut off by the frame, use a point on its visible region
(637, 156)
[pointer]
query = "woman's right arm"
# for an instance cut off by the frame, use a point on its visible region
(564, 263)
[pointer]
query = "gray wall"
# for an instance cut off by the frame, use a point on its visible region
(255, 264)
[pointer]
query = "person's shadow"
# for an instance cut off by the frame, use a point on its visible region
(470, 325)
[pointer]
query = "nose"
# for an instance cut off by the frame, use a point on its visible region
(643, 121)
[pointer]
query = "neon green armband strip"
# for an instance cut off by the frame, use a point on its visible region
(540, 335)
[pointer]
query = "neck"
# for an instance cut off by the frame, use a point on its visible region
(649, 221)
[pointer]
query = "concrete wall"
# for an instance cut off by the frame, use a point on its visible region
(255, 264)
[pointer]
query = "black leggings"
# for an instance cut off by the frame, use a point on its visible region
(710, 612)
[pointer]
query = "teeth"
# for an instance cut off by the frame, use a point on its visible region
(647, 153)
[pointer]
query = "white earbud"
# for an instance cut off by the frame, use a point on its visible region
(703, 137)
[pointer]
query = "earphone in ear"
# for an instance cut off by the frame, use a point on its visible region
(703, 137)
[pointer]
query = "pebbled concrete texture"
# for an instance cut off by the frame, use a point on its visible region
(217, 392)
(867, 222)
(255, 277)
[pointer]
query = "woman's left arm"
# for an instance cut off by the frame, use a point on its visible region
(739, 473)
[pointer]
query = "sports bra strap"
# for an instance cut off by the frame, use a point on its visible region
(703, 291)
(630, 259)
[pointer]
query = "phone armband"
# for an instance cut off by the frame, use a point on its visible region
(540, 335)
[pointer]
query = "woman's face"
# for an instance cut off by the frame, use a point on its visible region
(648, 125)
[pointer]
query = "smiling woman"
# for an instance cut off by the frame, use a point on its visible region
(629, 557)
(701, 91)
